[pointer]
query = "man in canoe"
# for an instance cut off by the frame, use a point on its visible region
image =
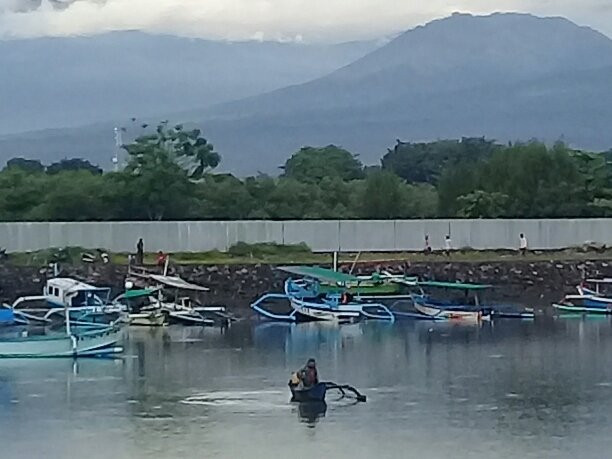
(307, 376)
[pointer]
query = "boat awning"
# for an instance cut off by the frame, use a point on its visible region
(177, 282)
(138, 293)
(454, 285)
(320, 274)
(600, 281)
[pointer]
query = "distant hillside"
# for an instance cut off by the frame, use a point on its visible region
(504, 76)
(71, 81)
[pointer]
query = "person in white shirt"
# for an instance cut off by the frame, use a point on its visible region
(448, 245)
(523, 244)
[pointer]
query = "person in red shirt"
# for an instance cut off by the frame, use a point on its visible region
(308, 375)
(161, 259)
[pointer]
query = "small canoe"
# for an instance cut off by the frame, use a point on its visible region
(315, 393)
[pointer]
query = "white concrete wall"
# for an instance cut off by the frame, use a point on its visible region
(322, 236)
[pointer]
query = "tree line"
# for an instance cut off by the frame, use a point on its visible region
(169, 175)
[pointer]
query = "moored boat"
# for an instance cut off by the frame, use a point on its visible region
(588, 300)
(83, 302)
(308, 303)
(92, 343)
(467, 308)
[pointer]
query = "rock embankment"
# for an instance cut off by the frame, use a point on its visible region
(535, 283)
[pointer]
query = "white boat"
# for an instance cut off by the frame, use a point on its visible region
(182, 309)
(84, 302)
(451, 314)
(308, 303)
(141, 308)
(93, 343)
(147, 319)
(594, 297)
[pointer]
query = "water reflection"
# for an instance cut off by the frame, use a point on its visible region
(531, 389)
(311, 412)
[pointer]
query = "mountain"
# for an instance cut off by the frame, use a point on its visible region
(70, 81)
(504, 76)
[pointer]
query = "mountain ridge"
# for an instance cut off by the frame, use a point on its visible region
(503, 76)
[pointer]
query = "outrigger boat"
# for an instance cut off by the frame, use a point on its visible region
(70, 343)
(141, 308)
(308, 303)
(177, 300)
(589, 300)
(84, 303)
(183, 309)
(91, 343)
(467, 308)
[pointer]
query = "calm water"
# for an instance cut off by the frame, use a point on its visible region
(515, 389)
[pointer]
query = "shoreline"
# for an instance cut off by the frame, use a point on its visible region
(534, 281)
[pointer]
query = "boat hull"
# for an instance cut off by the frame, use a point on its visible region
(188, 318)
(315, 393)
(147, 319)
(451, 314)
(102, 342)
(581, 309)
(310, 312)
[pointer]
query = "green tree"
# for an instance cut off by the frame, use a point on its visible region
(75, 164)
(72, 196)
(482, 204)
(157, 185)
(424, 162)
(185, 147)
(382, 196)
(20, 193)
(314, 164)
(30, 166)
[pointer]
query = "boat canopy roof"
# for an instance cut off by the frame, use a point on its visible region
(177, 282)
(607, 280)
(454, 285)
(67, 284)
(321, 274)
(138, 293)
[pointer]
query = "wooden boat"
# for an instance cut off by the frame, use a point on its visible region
(92, 343)
(141, 308)
(308, 303)
(589, 300)
(467, 309)
(177, 298)
(451, 314)
(315, 393)
(146, 319)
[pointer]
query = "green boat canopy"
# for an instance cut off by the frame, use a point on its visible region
(454, 285)
(321, 274)
(138, 293)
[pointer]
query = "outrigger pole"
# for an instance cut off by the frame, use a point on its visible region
(343, 388)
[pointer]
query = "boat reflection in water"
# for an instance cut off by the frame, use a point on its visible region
(311, 412)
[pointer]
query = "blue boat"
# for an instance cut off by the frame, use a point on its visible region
(309, 302)
(315, 393)
(594, 297)
(86, 304)
(8, 317)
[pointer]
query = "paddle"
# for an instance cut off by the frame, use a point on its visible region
(343, 388)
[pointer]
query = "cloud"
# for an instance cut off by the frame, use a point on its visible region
(314, 20)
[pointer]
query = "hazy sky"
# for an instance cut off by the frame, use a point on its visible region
(310, 20)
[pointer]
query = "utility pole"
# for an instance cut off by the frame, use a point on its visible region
(118, 144)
